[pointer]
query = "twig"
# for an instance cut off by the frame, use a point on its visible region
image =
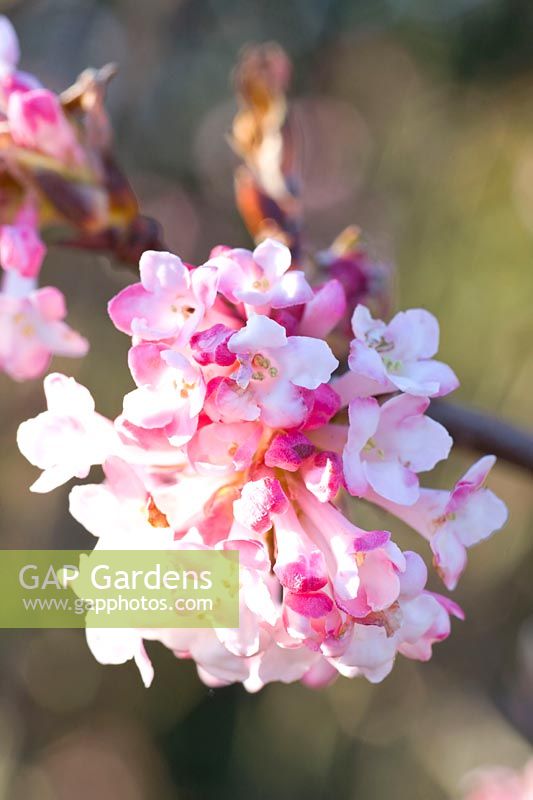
(472, 428)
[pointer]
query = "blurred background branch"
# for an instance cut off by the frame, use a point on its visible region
(484, 432)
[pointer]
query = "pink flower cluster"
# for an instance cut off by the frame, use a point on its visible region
(235, 437)
(32, 326)
(500, 783)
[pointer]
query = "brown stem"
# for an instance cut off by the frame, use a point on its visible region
(477, 430)
(126, 245)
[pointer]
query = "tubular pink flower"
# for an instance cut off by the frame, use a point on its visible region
(274, 366)
(69, 438)
(118, 645)
(224, 448)
(322, 475)
(385, 358)
(21, 247)
(388, 445)
(324, 311)
(259, 500)
(289, 451)
(454, 521)
(32, 329)
(170, 392)
(168, 303)
(300, 565)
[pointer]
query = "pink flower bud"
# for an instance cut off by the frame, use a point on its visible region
(258, 501)
(37, 121)
(289, 451)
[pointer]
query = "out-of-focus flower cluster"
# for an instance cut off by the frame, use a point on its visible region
(239, 435)
(57, 173)
(500, 783)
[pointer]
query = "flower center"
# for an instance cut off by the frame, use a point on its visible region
(261, 285)
(185, 311)
(263, 368)
(371, 447)
(378, 342)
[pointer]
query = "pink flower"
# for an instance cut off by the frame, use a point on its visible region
(224, 448)
(261, 279)
(37, 122)
(388, 445)
(32, 329)
(300, 565)
(273, 366)
(324, 310)
(454, 521)
(257, 607)
(385, 358)
(323, 476)
(170, 392)
(21, 247)
(289, 451)
(211, 346)
(499, 783)
(364, 566)
(69, 438)
(259, 500)
(120, 512)
(169, 302)
(118, 645)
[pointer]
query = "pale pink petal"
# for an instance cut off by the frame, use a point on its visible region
(66, 396)
(363, 323)
(259, 332)
(291, 290)
(148, 409)
(393, 481)
(227, 402)
(366, 362)
(324, 310)
(273, 257)
(425, 378)
(413, 579)
(415, 334)
(417, 441)
(450, 557)
(162, 271)
(307, 362)
(364, 419)
(283, 406)
(472, 480)
(146, 365)
(205, 284)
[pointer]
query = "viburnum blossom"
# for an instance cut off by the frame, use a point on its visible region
(32, 323)
(32, 327)
(398, 356)
(236, 438)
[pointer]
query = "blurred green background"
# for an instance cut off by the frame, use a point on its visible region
(417, 118)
